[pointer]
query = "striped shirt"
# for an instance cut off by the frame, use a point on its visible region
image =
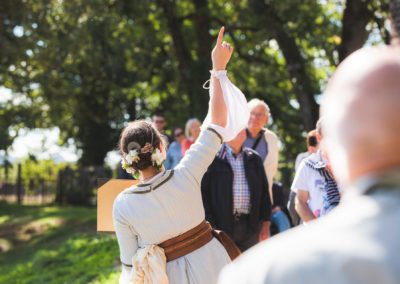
(240, 190)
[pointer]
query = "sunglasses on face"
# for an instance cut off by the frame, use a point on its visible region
(178, 134)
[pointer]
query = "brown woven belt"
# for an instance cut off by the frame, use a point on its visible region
(187, 242)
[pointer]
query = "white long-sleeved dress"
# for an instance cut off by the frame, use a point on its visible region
(170, 205)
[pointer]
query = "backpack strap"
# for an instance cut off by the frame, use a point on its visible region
(258, 139)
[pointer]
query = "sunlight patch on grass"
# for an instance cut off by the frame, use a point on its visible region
(80, 259)
(5, 245)
(4, 219)
(55, 245)
(36, 228)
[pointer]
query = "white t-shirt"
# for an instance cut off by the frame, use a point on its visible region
(300, 157)
(310, 180)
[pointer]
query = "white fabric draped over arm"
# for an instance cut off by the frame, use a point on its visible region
(236, 103)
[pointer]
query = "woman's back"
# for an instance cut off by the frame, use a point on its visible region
(168, 206)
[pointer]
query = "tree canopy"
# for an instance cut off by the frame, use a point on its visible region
(89, 66)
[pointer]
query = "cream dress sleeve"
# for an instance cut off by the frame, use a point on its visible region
(127, 242)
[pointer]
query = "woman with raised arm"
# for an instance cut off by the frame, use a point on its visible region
(159, 223)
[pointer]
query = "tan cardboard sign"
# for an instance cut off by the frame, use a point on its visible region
(106, 195)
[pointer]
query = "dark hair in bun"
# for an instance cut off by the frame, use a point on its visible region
(134, 137)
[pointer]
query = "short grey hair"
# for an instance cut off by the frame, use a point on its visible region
(257, 102)
(189, 124)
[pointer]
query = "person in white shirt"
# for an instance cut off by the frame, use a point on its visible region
(312, 147)
(316, 190)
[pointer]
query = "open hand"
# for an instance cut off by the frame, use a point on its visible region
(221, 53)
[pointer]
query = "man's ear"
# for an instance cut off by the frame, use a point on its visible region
(162, 149)
(319, 137)
(266, 121)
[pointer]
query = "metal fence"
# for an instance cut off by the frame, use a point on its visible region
(72, 186)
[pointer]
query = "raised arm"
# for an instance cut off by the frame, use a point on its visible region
(220, 56)
(201, 154)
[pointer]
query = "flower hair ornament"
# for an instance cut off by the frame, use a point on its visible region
(134, 150)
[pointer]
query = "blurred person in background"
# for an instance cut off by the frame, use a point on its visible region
(192, 132)
(174, 153)
(235, 196)
(317, 192)
(280, 221)
(312, 147)
(262, 140)
(160, 123)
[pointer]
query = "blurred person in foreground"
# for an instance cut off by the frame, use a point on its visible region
(359, 241)
(174, 153)
(235, 194)
(192, 132)
(263, 140)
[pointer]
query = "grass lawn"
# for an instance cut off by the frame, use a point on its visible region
(41, 244)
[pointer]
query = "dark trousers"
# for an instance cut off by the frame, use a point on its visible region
(243, 236)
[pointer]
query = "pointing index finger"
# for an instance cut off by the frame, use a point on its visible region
(220, 36)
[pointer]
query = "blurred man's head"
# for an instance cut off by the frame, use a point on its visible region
(361, 114)
(179, 135)
(159, 122)
(312, 141)
(259, 114)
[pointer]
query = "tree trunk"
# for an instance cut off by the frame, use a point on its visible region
(302, 86)
(295, 65)
(19, 185)
(204, 46)
(192, 72)
(356, 16)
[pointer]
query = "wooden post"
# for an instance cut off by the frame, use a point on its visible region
(60, 188)
(19, 185)
(41, 190)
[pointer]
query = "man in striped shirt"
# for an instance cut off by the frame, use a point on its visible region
(235, 194)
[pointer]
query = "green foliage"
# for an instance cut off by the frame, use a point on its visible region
(89, 66)
(35, 172)
(55, 245)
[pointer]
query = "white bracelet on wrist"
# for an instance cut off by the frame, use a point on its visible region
(218, 73)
